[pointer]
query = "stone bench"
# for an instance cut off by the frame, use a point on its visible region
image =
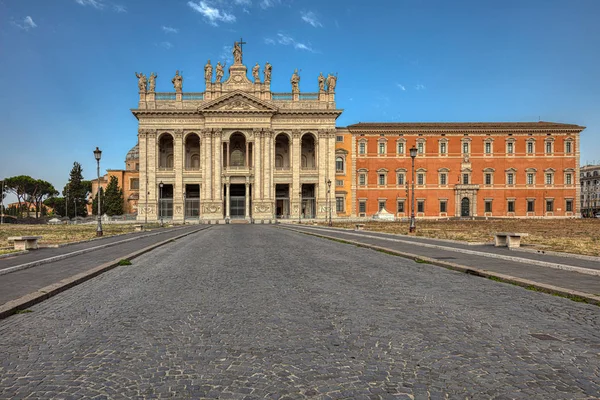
(139, 228)
(25, 242)
(359, 227)
(510, 240)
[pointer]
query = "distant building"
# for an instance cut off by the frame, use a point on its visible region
(590, 190)
(28, 209)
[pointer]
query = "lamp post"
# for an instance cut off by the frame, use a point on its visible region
(329, 200)
(299, 205)
(413, 226)
(97, 155)
(160, 185)
(67, 203)
(2, 204)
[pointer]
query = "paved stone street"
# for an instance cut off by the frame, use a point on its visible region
(252, 311)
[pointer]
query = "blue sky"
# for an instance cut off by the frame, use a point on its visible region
(67, 69)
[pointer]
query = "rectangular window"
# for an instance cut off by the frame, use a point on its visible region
(362, 179)
(401, 206)
(420, 178)
(569, 206)
(400, 179)
(339, 138)
(339, 182)
(529, 147)
(548, 179)
(421, 206)
(137, 166)
(568, 147)
(569, 179)
(530, 178)
(339, 164)
(443, 148)
(381, 204)
(362, 148)
(488, 178)
(400, 147)
(510, 147)
(488, 148)
(510, 178)
(420, 148)
(381, 148)
(511, 206)
(443, 178)
(465, 179)
(339, 204)
(465, 148)
(488, 206)
(530, 205)
(362, 206)
(134, 184)
(548, 147)
(549, 205)
(382, 179)
(443, 206)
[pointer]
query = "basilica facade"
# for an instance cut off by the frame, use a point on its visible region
(239, 151)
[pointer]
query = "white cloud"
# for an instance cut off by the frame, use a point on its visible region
(94, 3)
(166, 45)
(310, 18)
(243, 2)
(289, 41)
(212, 14)
(402, 87)
(168, 29)
(269, 41)
(226, 55)
(119, 8)
(269, 3)
(420, 87)
(26, 25)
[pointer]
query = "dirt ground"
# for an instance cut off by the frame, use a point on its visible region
(579, 236)
(58, 234)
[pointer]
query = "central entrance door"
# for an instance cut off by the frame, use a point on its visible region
(465, 207)
(237, 207)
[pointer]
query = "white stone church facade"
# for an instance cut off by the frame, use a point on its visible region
(237, 150)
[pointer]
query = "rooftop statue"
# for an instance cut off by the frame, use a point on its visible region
(321, 82)
(295, 81)
(142, 82)
(255, 70)
(208, 72)
(219, 72)
(153, 77)
(177, 81)
(331, 81)
(237, 52)
(267, 72)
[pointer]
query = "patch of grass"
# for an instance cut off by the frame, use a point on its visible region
(420, 261)
(27, 311)
(495, 278)
(124, 262)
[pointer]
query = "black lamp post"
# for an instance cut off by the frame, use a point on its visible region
(329, 200)
(413, 226)
(160, 185)
(97, 155)
(299, 205)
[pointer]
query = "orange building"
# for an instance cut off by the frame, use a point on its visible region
(461, 169)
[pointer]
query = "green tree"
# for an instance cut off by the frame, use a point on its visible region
(76, 192)
(37, 191)
(57, 203)
(113, 198)
(21, 187)
(102, 205)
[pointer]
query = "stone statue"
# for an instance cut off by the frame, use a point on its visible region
(255, 70)
(321, 82)
(331, 81)
(219, 71)
(142, 82)
(153, 77)
(177, 81)
(295, 81)
(237, 53)
(267, 72)
(208, 72)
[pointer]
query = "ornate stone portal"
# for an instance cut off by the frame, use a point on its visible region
(236, 150)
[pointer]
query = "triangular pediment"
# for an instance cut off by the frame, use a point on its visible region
(237, 101)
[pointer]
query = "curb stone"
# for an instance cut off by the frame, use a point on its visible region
(551, 289)
(11, 307)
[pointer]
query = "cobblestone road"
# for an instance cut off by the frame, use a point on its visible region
(250, 311)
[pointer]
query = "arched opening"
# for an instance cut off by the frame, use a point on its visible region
(192, 152)
(465, 207)
(339, 164)
(237, 150)
(165, 152)
(308, 152)
(282, 152)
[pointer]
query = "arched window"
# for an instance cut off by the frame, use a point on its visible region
(339, 164)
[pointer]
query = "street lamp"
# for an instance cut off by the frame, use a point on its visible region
(160, 185)
(97, 155)
(329, 199)
(2, 204)
(413, 226)
(299, 205)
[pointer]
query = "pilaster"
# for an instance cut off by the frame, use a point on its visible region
(296, 164)
(143, 174)
(218, 164)
(178, 189)
(151, 168)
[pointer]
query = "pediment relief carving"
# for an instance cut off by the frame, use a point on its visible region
(237, 101)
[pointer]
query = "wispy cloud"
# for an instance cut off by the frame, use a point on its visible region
(26, 24)
(166, 45)
(310, 18)
(119, 8)
(286, 40)
(226, 55)
(420, 87)
(94, 3)
(168, 29)
(269, 3)
(243, 2)
(212, 14)
(401, 86)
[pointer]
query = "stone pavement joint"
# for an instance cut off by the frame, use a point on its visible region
(13, 306)
(526, 283)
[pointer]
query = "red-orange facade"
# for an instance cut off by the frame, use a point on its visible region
(464, 169)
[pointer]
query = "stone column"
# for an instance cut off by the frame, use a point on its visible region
(258, 164)
(247, 202)
(246, 155)
(151, 172)
(206, 165)
(218, 172)
(226, 155)
(228, 200)
(143, 196)
(321, 160)
(178, 189)
(296, 163)
(269, 164)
